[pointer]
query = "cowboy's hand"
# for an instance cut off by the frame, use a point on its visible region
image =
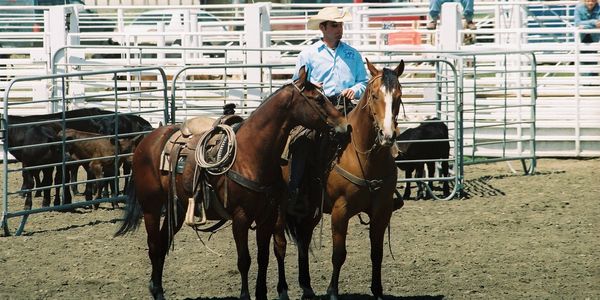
(348, 94)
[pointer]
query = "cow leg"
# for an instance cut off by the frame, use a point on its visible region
(408, 175)
(430, 174)
(420, 173)
(445, 183)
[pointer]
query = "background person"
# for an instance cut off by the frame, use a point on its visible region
(587, 16)
(336, 67)
(435, 7)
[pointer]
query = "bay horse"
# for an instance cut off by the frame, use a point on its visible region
(361, 179)
(261, 140)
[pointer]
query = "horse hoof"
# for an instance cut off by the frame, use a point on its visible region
(157, 292)
(284, 296)
(307, 295)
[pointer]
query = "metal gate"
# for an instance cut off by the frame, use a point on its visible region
(103, 89)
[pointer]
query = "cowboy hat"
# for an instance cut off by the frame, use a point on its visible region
(328, 14)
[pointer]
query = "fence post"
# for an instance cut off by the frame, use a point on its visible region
(256, 17)
(450, 24)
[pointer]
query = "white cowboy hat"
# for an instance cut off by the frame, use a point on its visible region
(328, 14)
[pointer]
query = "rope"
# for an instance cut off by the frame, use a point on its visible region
(225, 160)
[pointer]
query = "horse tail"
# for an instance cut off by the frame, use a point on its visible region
(133, 211)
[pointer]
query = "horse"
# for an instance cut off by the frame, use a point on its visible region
(250, 191)
(361, 179)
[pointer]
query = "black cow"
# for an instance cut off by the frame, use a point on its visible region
(88, 119)
(432, 129)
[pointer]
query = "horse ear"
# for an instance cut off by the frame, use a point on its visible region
(372, 68)
(400, 68)
(302, 77)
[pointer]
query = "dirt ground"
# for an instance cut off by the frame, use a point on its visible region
(515, 237)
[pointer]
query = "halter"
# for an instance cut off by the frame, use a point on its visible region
(372, 113)
(322, 115)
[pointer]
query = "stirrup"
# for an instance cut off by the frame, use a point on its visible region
(190, 218)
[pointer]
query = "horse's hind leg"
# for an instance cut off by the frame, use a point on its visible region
(280, 248)
(158, 244)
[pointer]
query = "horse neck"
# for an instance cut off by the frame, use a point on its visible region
(264, 133)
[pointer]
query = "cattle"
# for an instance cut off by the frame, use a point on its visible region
(435, 145)
(102, 151)
(37, 130)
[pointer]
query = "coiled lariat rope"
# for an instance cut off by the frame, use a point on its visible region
(226, 153)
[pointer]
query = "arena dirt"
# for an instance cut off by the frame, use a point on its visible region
(514, 237)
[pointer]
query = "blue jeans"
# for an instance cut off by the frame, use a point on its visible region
(435, 6)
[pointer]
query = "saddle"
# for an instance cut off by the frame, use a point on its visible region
(199, 136)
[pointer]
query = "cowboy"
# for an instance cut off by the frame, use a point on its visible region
(435, 7)
(338, 69)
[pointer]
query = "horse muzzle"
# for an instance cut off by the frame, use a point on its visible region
(386, 140)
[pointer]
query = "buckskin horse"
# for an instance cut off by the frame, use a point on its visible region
(254, 198)
(361, 179)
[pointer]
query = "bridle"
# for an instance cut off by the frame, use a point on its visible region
(379, 137)
(320, 113)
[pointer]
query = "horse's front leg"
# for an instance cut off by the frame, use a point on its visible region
(280, 248)
(379, 223)
(304, 231)
(240, 227)
(339, 228)
(264, 231)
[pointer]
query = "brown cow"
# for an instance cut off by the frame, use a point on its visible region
(86, 145)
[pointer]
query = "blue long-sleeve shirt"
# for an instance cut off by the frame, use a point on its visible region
(587, 19)
(336, 70)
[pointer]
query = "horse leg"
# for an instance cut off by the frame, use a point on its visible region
(88, 192)
(376, 233)
(126, 171)
(339, 228)
(38, 183)
(58, 181)
(240, 234)
(27, 185)
(304, 236)
(279, 248)
(73, 170)
(96, 168)
(263, 241)
(46, 182)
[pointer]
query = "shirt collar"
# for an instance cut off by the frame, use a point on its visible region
(321, 46)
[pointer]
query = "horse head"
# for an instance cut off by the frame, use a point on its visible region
(314, 110)
(384, 94)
